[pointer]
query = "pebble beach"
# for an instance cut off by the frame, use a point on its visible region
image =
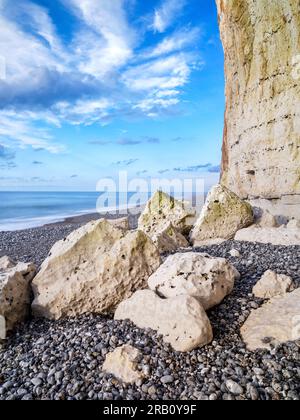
(62, 360)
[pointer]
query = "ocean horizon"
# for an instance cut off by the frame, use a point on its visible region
(28, 209)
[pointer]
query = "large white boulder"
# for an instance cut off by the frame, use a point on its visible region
(272, 284)
(276, 322)
(15, 293)
(93, 270)
(276, 236)
(201, 276)
(161, 210)
(223, 214)
(181, 320)
(123, 364)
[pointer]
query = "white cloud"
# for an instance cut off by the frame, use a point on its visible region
(175, 42)
(167, 92)
(84, 111)
(43, 26)
(100, 73)
(21, 131)
(107, 40)
(23, 53)
(147, 105)
(167, 13)
(165, 73)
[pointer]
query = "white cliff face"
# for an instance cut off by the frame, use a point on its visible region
(261, 146)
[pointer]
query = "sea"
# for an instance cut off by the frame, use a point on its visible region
(23, 210)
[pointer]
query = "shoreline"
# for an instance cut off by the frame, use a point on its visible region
(80, 218)
(22, 223)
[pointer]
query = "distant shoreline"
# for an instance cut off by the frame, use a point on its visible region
(23, 215)
(79, 219)
(88, 217)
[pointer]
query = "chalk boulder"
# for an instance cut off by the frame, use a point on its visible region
(93, 270)
(276, 322)
(223, 214)
(181, 320)
(161, 210)
(197, 275)
(15, 293)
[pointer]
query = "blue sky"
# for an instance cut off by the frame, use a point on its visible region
(91, 87)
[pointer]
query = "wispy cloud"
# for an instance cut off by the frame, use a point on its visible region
(160, 81)
(106, 42)
(151, 140)
(6, 153)
(7, 157)
(195, 168)
(144, 172)
(128, 142)
(176, 42)
(206, 167)
(127, 162)
(20, 130)
(164, 73)
(100, 142)
(166, 14)
(104, 72)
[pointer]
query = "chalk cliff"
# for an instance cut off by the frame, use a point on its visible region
(261, 145)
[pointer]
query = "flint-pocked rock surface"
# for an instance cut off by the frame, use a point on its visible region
(201, 276)
(93, 270)
(169, 239)
(276, 322)
(272, 284)
(222, 215)
(15, 293)
(161, 210)
(181, 320)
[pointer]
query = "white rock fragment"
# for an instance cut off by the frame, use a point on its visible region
(272, 284)
(234, 253)
(275, 322)
(15, 293)
(123, 364)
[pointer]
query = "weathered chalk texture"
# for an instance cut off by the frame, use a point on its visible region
(261, 145)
